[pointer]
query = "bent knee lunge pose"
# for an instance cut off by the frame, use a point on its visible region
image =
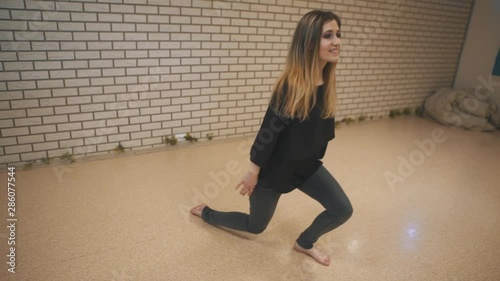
(293, 137)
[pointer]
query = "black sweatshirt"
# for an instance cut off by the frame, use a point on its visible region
(288, 150)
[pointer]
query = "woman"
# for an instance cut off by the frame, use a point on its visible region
(293, 136)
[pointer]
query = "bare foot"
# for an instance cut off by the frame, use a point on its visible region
(198, 209)
(315, 253)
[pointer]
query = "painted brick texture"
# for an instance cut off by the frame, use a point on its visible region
(82, 76)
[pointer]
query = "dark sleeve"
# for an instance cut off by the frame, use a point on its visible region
(267, 137)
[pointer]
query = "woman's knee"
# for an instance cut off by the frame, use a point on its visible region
(256, 226)
(348, 211)
(257, 229)
(343, 213)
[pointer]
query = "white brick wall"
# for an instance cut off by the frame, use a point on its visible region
(80, 76)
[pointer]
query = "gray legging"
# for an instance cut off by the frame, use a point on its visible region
(321, 186)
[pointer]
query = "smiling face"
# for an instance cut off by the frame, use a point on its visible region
(329, 47)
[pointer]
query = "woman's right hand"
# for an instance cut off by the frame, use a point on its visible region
(249, 180)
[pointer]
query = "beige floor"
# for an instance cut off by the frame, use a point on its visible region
(126, 218)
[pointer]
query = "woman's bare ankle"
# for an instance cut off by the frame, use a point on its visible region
(314, 253)
(198, 209)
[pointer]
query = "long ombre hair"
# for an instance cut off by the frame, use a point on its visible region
(294, 91)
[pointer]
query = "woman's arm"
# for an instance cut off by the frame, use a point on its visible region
(260, 153)
(254, 169)
(262, 149)
(267, 137)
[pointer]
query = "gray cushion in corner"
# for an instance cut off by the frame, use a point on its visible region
(464, 108)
